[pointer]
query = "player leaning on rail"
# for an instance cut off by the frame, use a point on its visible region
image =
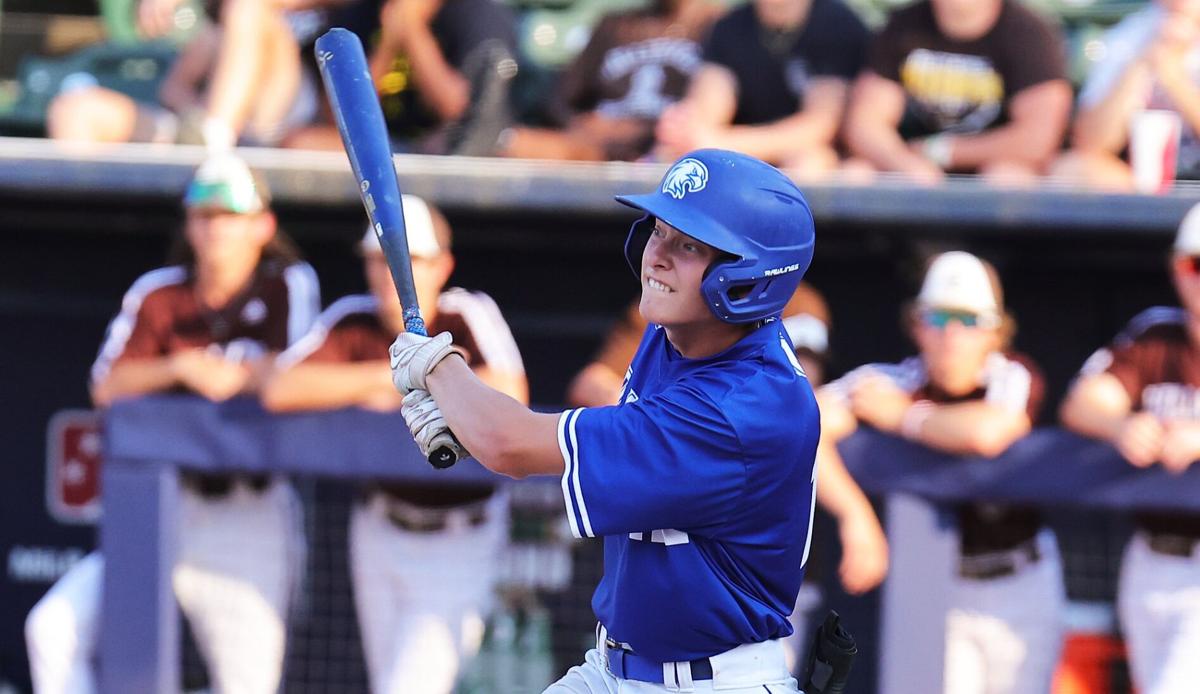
(701, 480)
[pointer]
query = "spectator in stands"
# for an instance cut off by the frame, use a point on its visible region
(961, 86)
(1140, 393)
(443, 69)
(806, 319)
(1151, 61)
(966, 394)
(241, 79)
(773, 85)
(635, 65)
(424, 551)
(209, 325)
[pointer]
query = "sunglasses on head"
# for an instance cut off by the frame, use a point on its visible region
(941, 317)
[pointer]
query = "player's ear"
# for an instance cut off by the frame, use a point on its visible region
(445, 265)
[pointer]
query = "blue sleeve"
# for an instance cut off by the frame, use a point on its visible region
(669, 461)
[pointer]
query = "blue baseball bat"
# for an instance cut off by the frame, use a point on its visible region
(360, 122)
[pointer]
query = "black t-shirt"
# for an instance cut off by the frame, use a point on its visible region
(773, 69)
(964, 86)
(459, 27)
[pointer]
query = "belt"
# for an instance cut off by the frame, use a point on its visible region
(999, 564)
(623, 663)
(1172, 545)
(421, 519)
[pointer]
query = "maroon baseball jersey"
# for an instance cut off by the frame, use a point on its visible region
(1159, 366)
(350, 330)
(161, 315)
(1009, 380)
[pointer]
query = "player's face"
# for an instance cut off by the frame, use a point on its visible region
(1185, 271)
(227, 239)
(429, 277)
(673, 267)
(954, 346)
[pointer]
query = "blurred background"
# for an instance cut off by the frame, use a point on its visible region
(1053, 138)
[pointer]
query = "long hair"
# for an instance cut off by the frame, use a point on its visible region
(280, 251)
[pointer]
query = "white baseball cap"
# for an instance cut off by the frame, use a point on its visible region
(418, 223)
(1187, 241)
(960, 281)
(807, 332)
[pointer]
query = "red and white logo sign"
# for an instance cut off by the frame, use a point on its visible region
(73, 456)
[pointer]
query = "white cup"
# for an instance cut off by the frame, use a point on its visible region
(1154, 149)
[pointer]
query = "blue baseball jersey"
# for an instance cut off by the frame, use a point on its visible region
(701, 481)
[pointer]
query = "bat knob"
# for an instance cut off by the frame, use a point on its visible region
(442, 458)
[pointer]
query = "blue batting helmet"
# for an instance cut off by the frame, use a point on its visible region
(744, 208)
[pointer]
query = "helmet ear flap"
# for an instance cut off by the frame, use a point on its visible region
(635, 243)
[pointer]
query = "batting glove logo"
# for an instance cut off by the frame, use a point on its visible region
(687, 176)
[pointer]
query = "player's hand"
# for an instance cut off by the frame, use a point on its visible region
(413, 357)
(210, 376)
(878, 401)
(1141, 439)
(424, 419)
(1181, 446)
(864, 552)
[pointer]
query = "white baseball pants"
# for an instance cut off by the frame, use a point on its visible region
(1159, 606)
(423, 597)
(1004, 635)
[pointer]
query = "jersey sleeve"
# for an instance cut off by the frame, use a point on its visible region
(136, 332)
(667, 461)
(1037, 54)
(1125, 361)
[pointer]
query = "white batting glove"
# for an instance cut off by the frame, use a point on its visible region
(424, 420)
(413, 357)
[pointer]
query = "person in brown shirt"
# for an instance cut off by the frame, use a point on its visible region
(1142, 394)
(209, 325)
(961, 86)
(966, 394)
(636, 64)
(424, 554)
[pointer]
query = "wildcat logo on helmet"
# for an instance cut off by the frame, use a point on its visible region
(687, 176)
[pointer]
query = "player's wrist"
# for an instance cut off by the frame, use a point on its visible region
(939, 149)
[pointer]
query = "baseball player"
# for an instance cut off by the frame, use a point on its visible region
(966, 394)
(806, 320)
(423, 555)
(701, 480)
(208, 325)
(1142, 394)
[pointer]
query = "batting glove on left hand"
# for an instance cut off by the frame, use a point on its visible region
(426, 423)
(413, 357)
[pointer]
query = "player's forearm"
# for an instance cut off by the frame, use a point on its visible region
(130, 379)
(975, 428)
(325, 386)
(514, 385)
(443, 89)
(881, 145)
(783, 139)
(1032, 143)
(501, 433)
